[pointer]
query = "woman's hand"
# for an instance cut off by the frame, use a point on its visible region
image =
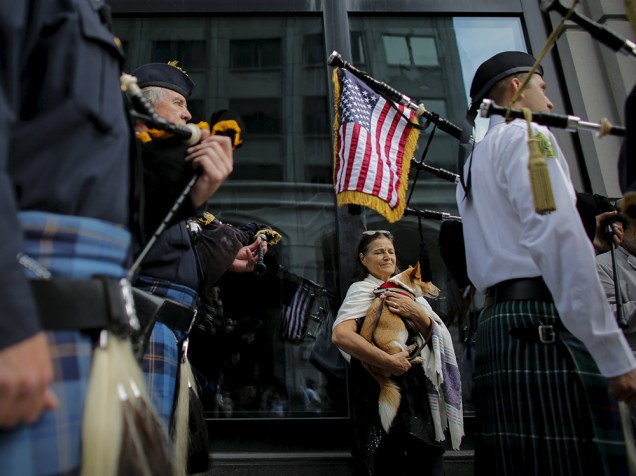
(397, 364)
(410, 309)
(403, 305)
(345, 336)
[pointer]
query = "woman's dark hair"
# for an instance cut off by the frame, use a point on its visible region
(359, 271)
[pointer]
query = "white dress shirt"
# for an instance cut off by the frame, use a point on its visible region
(505, 238)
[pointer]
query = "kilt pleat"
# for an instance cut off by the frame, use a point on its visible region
(542, 409)
(51, 446)
(160, 366)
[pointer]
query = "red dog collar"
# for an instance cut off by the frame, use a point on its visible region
(389, 286)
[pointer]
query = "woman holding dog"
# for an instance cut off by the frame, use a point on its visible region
(431, 393)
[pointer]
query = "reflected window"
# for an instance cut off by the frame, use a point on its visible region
(410, 50)
(315, 115)
(264, 349)
(357, 48)
(190, 54)
(480, 38)
(255, 54)
(314, 49)
(260, 115)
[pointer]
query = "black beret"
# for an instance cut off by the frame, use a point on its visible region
(166, 76)
(497, 68)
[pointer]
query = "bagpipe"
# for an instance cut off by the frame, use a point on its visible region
(598, 31)
(562, 121)
(169, 141)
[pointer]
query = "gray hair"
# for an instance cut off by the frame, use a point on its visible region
(154, 94)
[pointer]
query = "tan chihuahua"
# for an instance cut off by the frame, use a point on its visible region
(388, 331)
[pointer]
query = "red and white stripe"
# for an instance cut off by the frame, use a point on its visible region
(371, 161)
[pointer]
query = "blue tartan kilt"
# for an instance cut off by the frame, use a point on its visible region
(51, 446)
(542, 409)
(160, 366)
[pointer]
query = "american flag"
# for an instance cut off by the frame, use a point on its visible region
(298, 299)
(374, 144)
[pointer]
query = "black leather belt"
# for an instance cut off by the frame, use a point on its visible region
(543, 334)
(522, 289)
(83, 304)
(152, 308)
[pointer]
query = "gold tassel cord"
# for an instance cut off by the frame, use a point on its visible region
(539, 174)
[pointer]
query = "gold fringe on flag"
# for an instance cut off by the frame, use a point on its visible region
(539, 175)
(336, 121)
(351, 197)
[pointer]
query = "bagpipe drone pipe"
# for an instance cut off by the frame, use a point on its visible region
(598, 31)
(627, 168)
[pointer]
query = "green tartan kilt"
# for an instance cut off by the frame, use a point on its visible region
(542, 409)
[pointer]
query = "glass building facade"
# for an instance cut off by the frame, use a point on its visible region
(267, 365)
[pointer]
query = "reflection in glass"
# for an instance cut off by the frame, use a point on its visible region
(477, 40)
(264, 349)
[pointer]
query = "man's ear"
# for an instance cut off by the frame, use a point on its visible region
(514, 86)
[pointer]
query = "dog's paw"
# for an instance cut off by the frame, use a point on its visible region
(416, 360)
(411, 348)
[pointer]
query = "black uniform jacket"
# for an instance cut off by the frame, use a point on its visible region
(64, 133)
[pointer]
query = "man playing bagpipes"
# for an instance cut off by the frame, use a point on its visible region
(71, 396)
(548, 346)
(185, 258)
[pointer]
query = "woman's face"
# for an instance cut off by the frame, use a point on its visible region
(380, 258)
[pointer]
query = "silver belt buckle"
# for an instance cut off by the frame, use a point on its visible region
(129, 303)
(547, 334)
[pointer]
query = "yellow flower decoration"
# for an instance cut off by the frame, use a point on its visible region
(175, 64)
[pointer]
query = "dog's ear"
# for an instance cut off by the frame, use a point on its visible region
(417, 272)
